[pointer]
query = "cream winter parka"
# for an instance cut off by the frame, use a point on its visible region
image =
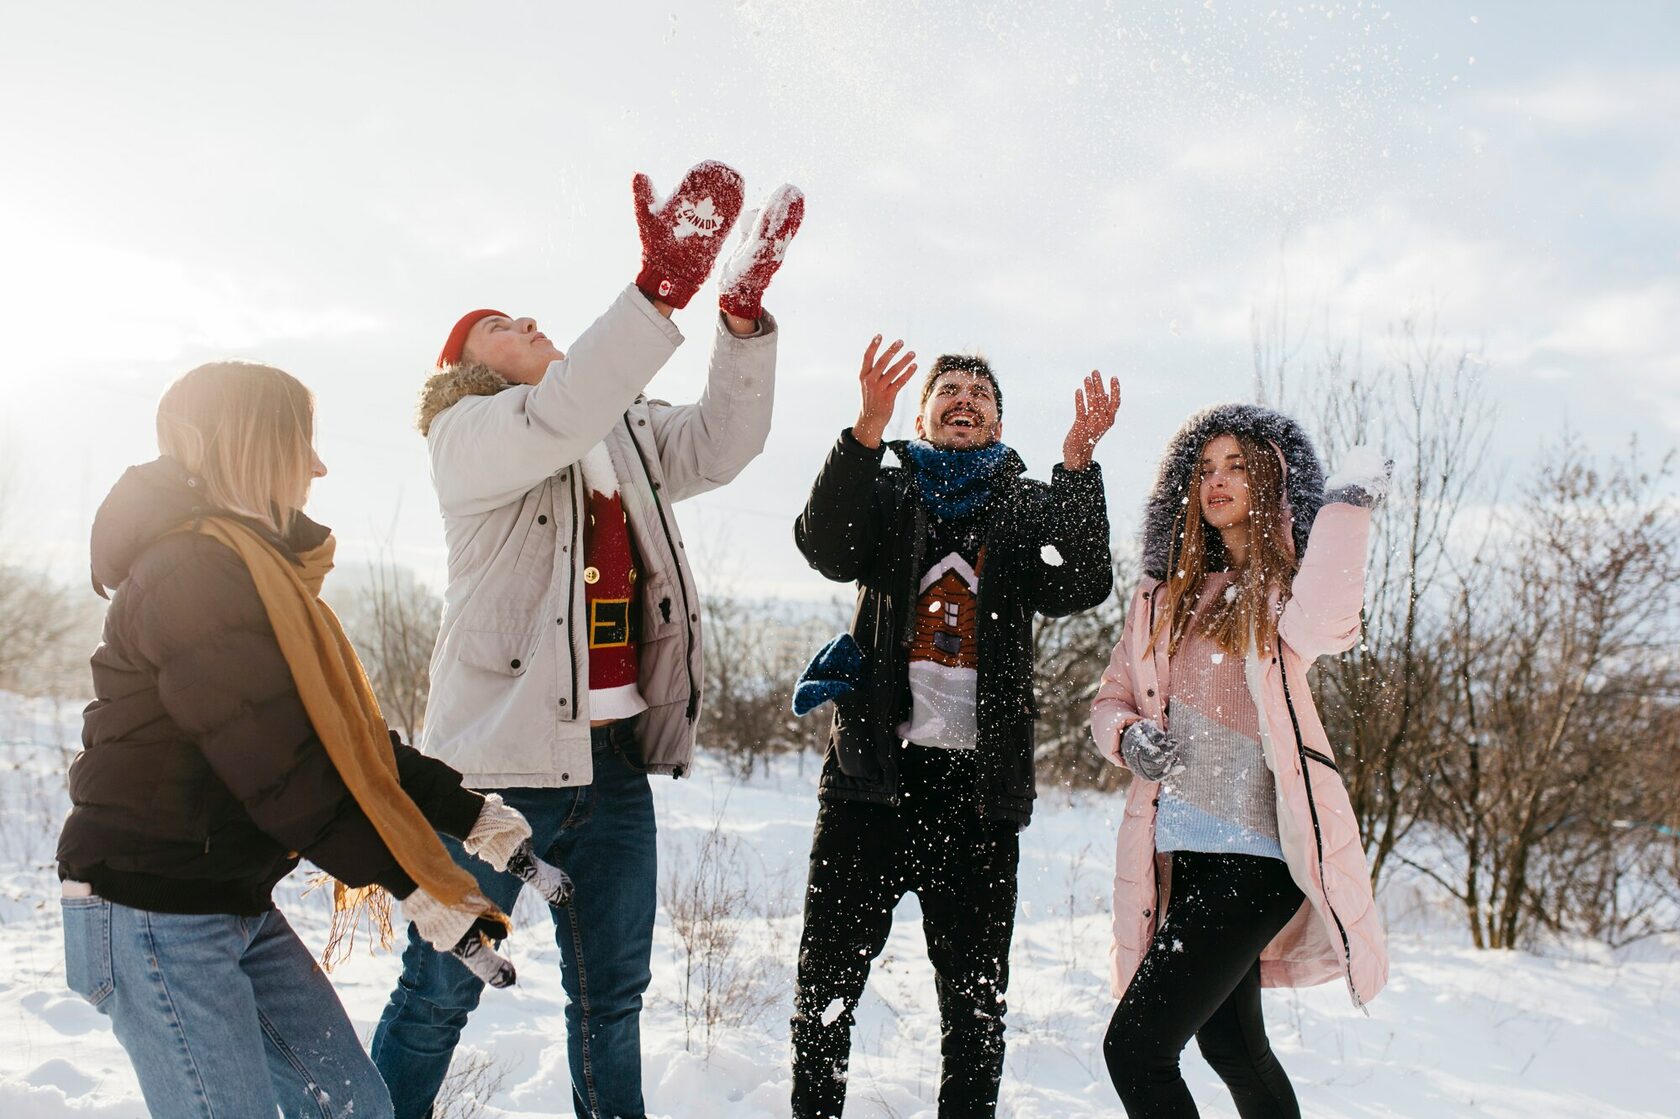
(509, 674)
(1338, 931)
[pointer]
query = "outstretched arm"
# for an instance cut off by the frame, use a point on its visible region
(840, 529)
(1074, 568)
(488, 450)
(1094, 409)
(1327, 597)
(1079, 573)
(704, 445)
(250, 725)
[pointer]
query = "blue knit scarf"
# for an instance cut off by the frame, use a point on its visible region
(956, 483)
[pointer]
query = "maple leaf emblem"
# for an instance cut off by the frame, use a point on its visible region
(697, 217)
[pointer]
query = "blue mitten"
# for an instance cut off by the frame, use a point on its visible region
(836, 670)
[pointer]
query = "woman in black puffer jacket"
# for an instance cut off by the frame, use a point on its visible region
(202, 779)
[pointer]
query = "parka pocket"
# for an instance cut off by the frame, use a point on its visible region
(849, 739)
(661, 607)
(509, 654)
(87, 948)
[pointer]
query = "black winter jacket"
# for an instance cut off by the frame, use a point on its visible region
(866, 523)
(200, 779)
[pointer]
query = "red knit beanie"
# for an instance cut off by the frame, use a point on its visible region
(451, 352)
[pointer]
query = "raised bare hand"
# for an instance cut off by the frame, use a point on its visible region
(881, 379)
(1093, 414)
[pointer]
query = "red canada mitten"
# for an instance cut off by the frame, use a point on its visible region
(681, 237)
(764, 242)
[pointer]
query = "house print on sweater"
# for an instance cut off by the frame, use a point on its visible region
(945, 656)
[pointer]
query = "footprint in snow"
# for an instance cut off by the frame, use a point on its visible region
(61, 1074)
(68, 1015)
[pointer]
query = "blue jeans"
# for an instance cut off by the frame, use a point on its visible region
(201, 1002)
(603, 835)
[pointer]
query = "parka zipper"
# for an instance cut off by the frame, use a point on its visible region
(1155, 917)
(906, 634)
(682, 587)
(1318, 834)
(571, 580)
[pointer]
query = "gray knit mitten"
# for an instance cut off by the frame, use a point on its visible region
(1148, 751)
(1363, 479)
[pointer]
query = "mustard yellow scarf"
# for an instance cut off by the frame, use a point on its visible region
(346, 717)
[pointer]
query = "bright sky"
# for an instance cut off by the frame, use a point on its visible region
(1065, 186)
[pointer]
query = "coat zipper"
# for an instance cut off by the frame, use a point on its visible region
(682, 587)
(1318, 835)
(905, 635)
(571, 582)
(1155, 920)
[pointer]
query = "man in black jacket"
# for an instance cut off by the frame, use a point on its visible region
(929, 771)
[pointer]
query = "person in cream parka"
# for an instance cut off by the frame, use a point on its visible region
(568, 664)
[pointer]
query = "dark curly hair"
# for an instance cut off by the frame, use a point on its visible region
(961, 363)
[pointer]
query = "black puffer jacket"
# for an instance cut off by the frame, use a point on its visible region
(866, 523)
(200, 778)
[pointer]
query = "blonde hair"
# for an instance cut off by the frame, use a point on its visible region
(248, 432)
(1231, 619)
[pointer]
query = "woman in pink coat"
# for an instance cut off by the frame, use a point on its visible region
(1238, 863)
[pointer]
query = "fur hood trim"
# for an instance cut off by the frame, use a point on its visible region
(1303, 485)
(452, 384)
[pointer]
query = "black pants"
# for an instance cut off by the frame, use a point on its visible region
(1201, 977)
(864, 858)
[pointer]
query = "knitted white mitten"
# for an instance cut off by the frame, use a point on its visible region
(497, 833)
(462, 932)
(442, 926)
(1148, 751)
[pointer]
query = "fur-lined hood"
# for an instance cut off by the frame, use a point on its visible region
(452, 384)
(1303, 485)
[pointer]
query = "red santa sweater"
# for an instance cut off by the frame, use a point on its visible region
(609, 593)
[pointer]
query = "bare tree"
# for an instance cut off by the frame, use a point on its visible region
(474, 1079)
(392, 619)
(1422, 403)
(707, 893)
(756, 648)
(37, 619)
(47, 630)
(1068, 659)
(752, 663)
(1556, 783)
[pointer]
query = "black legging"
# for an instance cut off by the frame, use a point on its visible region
(1201, 978)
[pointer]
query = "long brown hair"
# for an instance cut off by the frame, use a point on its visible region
(248, 432)
(1197, 549)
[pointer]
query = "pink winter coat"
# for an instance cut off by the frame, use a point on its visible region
(1338, 931)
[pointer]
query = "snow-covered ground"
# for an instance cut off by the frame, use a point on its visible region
(1457, 1033)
